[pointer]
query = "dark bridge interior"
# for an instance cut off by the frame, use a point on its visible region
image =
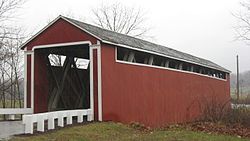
(68, 77)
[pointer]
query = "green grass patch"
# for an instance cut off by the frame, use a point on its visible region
(109, 131)
(8, 104)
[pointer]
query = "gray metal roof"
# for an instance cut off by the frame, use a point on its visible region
(119, 38)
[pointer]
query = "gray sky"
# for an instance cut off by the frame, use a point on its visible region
(203, 28)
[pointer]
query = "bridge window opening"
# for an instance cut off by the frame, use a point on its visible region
(133, 56)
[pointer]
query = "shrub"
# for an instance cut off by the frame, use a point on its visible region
(239, 115)
(214, 111)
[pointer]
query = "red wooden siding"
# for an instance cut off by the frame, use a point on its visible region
(152, 96)
(41, 84)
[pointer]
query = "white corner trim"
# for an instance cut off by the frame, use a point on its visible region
(25, 79)
(160, 67)
(99, 82)
(32, 81)
(91, 82)
(151, 52)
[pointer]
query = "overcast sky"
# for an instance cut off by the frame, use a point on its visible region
(203, 28)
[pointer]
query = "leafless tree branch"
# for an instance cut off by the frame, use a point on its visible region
(121, 19)
(243, 27)
(10, 54)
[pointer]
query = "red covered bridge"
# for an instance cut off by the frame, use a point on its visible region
(73, 65)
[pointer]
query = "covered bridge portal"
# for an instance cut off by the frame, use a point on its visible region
(63, 77)
(74, 65)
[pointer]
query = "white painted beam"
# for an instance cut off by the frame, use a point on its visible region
(13, 111)
(151, 60)
(192, 68)
(91, 48)
(125, 57)
(167, 64)
(99, 77)
(180, 66)
(131, 56)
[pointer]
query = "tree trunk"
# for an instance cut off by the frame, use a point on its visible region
(18, 89)
(11, 83)
(3, 92)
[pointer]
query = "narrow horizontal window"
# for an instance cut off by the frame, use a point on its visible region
(139, 57)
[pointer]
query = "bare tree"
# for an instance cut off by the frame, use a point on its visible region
(243, 26)
(8, 9)
(10, 70)
(7, 13)
(10, 60)
(121, 19)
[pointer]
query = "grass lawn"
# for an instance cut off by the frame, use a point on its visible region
(109, 131)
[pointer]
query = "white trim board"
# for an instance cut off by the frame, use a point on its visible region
(68, 44)
(9, 111)
(97, 47)
(91, 81)
(99, 64)
(32, 82)
(25, 80)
